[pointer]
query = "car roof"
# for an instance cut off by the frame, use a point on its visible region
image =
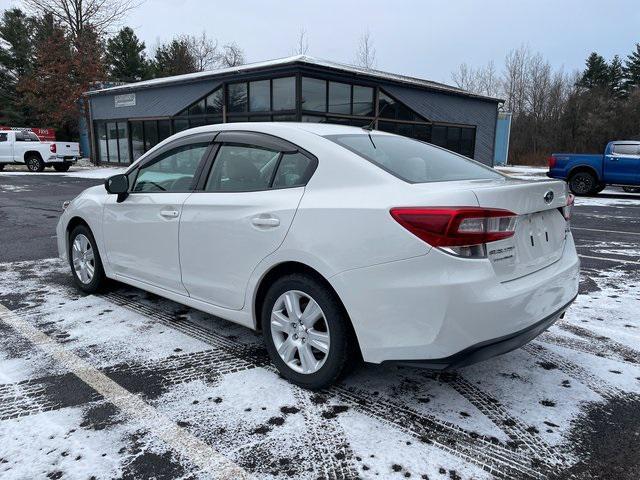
(277, 128)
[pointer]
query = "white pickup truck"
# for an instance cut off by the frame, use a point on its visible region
(25, 148)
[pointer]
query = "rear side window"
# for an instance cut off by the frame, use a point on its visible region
(242, 168)
(413, 161)
(3, 137)
(294, 171)
(626, 149)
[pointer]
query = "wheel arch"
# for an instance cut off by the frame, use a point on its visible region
(287, 268)
(583, 168)
(73, 223)
(29, 153)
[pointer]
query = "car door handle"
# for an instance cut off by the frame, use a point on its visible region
(265, 221)
(169, 213)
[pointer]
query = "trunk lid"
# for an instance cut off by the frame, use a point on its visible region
(540, 229)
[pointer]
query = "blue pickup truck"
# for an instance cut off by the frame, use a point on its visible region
(589, 174)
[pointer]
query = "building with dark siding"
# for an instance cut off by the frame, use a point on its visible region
(128, 120)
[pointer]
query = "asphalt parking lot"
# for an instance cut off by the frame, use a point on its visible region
(127, 385)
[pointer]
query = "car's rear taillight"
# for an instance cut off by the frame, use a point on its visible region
(552, 162)
(460, 230)
(53, 148)
(568, 208)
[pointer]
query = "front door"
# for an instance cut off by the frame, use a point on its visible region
(241, 216)
(141, 232)
(6, 148)
(622, 164)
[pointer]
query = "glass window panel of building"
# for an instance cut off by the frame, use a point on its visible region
(284, 93)
(363, 101)
(215, 101)
(260, 96)
(237, 97)
(137, 139)
(123, 142)
(314, 94)
(339, 98)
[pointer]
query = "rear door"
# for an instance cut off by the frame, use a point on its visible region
(622, 164)
(141, 232)
(241, 214)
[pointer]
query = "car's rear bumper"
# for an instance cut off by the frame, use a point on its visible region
(436, 306)
(488, 349)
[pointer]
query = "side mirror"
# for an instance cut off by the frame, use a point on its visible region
(119, 185)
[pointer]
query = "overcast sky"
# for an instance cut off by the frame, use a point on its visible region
(427, 39)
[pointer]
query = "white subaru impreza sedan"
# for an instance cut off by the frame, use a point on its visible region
(336, 242)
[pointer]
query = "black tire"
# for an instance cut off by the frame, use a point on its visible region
(61, 167)
(1, 166)
(34, 162)
(583, 183)
(98, 279)
(631, 189)
(599, 188)
(342, 343)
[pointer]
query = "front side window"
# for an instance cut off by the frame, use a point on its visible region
(172, 171)
(242, 168)
(294, 171)
(411, 160)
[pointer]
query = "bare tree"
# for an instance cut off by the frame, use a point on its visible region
(366, 52)
(78, 15)
(514, 82)
(302, 43)
(483, 80)
(204, 50)
(465, 78)
(231, 56)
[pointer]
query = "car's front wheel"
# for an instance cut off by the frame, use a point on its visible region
(84, 260)
(306, 331)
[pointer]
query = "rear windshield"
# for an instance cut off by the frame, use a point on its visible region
(411, 160)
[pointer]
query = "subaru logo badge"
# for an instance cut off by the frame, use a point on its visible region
(548, 197)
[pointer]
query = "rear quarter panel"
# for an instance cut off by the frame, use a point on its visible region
(567, 162)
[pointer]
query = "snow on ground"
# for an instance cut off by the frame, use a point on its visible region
(514, 415)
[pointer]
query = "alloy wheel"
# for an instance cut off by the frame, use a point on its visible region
(300, 332)
(83, 258)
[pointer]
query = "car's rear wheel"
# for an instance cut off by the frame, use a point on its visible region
(306, 331)
(631, 189)
(61, 167)
(84, 260)
(34, 162)
(1, 166)
(582, 183)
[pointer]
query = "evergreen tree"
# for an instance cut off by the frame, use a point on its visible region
(16, 61)
(125, 58)
(596, 75)
(616, 77)
(632, 69)
(174, 58)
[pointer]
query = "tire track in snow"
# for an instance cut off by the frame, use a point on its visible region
(470, 446)
(593, 382)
